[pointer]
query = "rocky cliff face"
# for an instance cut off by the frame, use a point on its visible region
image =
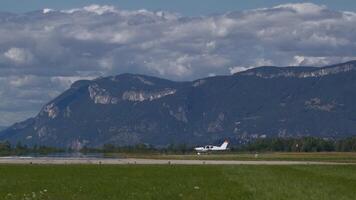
(297, 72)
(263, 102)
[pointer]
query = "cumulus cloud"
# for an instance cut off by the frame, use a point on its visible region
(97, 9)
(43, 52)
(47, 10)
(19, 55)
(304, 8)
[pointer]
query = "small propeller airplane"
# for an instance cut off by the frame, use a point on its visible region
(207, 148)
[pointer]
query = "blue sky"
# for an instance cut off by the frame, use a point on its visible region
(186, 7)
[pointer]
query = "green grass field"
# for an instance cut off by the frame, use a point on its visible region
(344, 157)
(101, 182)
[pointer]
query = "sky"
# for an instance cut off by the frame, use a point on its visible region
(45, 46)
(185, 7)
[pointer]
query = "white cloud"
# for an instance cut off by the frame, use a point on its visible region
(122, 37)
(304, 8)
(94, 8)
(100, 9)
(106, 63)
(318, 61)
(47, 10)
(257, 62)
(19, 55)
(20, 81)
(41, 55)
(236, 69)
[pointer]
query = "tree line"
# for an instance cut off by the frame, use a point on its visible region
(304, 144)
(6, 149)
(312, 144)
(140, 148)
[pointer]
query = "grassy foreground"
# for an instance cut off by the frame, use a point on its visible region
(176, 182)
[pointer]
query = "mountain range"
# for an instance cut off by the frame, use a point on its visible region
(128, 109)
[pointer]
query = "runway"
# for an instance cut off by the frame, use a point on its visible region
(134, 161)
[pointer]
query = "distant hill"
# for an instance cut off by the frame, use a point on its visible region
(262, 102)
(2, 128)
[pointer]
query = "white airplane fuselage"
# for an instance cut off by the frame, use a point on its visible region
(206, 148)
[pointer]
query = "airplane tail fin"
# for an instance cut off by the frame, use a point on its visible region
(224, 145)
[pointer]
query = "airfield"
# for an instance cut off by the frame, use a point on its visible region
(155, 176)
(138, 161)
(275, 158)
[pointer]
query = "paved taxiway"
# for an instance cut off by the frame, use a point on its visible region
(112, 161)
